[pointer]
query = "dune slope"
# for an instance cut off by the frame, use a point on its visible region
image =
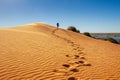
(41, 52)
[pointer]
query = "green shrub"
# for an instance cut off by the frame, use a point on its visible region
(112, 40)
(87, 34)
(72, 28)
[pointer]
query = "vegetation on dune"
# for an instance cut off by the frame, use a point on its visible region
(112, 40)
(107, 39)
(87, 34)
(72, 28)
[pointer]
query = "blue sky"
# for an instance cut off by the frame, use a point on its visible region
(86, 15)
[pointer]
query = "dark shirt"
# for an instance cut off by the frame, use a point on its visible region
(57, 24)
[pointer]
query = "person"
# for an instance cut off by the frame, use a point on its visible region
(57, 25)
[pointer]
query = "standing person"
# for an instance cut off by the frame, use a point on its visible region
(57, 25)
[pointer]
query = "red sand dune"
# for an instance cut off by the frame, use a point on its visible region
(41, 52)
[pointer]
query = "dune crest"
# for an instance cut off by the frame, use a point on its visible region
(39, 51)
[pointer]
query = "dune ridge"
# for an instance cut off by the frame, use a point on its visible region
(41, 52)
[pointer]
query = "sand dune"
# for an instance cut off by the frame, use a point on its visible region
(41, 52)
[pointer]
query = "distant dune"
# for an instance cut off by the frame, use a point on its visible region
(41, 52)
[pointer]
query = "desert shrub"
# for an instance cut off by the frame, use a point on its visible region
(119, 41)
(87, 34)
(112, 40)
(72, 28)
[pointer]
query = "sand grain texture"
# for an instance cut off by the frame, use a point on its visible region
(40, 52)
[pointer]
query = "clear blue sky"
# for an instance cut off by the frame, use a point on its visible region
(86, 15)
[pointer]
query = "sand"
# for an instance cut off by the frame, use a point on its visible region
(41, 52)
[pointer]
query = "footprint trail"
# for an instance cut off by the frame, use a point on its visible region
(74, 61)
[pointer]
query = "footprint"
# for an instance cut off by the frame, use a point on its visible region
(86, 64)
(73, 67)
(74, 70)
(67, 55)
(76, 62)
(79, 50)
(71, 42)
(82, 57)
(77, 47)
(71, 78)
(81, 62)
(66, 65)
(76, 56)
(74, 48)
(72, 45)
(55, 70)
